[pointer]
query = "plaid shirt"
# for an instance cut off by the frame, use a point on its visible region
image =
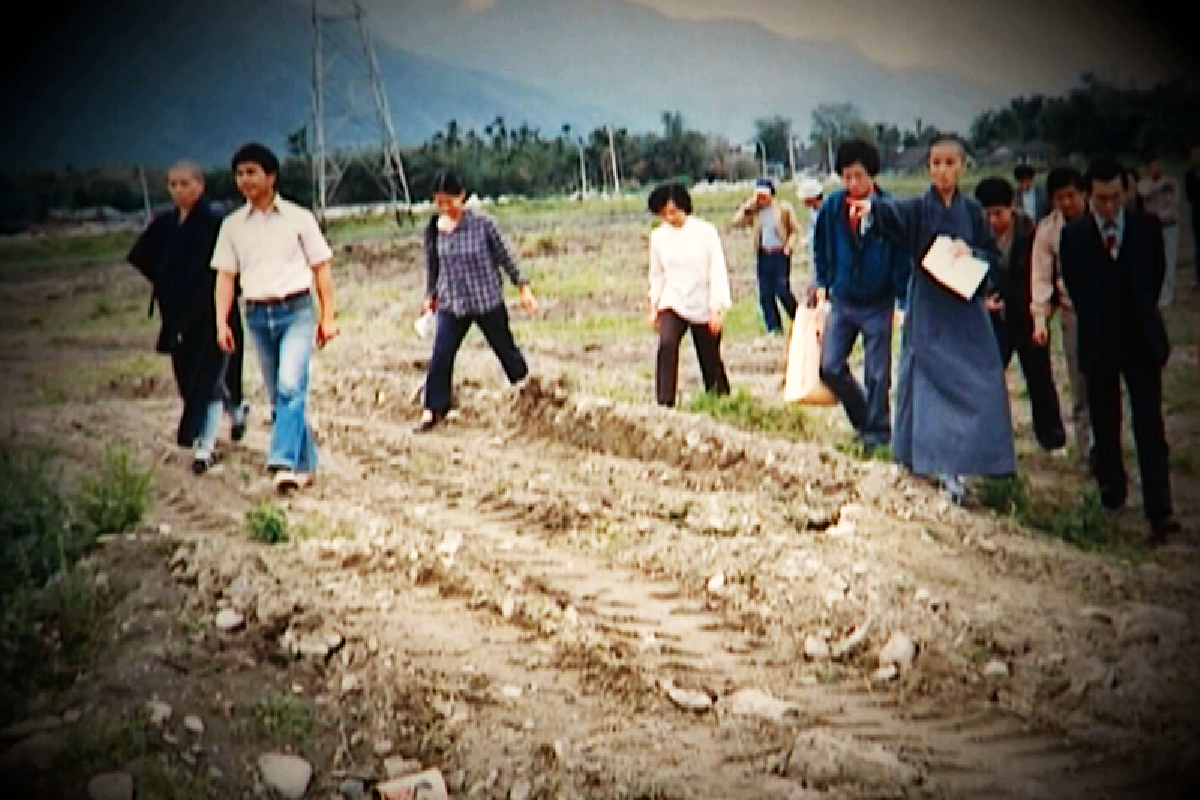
(463, 277)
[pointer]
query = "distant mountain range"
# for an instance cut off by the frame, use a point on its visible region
(147, 81)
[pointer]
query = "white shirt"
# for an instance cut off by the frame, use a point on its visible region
(273, 251)
(687, 270)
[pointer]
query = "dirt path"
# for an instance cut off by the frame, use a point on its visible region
(559, 596)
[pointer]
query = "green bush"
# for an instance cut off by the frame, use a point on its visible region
(267, 523)
(114, 500)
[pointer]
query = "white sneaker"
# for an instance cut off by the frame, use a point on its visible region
(287, 480)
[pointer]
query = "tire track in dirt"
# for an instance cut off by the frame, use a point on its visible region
(986, 754)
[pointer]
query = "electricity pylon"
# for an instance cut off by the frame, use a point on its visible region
(348, 102)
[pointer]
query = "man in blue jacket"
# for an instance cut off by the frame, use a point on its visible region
(865, 276)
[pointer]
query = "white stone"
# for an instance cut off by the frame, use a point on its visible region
(286, 774)
(922, 596)
(228, 620)
(753, 703)
(995, 669)
(816, 648)
(159, 712)
(716, 582)
(899, 650)
(194, 724)
(689, 699)
(884, 674)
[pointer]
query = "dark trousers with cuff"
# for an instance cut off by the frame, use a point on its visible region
(1035, 364)
(1143, 381)
(671, 330)
(451, 330)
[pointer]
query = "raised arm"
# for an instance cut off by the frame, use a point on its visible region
(743, 214)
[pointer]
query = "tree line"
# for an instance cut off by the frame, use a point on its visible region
(520, 160)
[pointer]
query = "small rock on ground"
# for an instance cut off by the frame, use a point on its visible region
(825, 759)
(111, 786)
(996, 669)
(899, 650)
(229, 620)
(689, 699)
(288, 775)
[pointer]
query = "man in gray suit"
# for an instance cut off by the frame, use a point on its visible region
(1030, 196)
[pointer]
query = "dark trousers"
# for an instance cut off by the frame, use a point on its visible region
(671, 329)
(233, 373)
(1143, 381)
(1039, 379)
(868, 409)
(451, 330)
(775, 288)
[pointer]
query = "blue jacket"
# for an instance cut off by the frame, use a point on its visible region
(867, 269)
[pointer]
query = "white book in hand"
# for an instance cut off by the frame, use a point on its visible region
(960, 274)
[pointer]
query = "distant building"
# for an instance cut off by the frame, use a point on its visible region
(1036, 153)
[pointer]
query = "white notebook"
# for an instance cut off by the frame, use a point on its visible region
(961, 275)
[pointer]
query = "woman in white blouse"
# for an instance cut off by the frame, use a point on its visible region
(689, 291)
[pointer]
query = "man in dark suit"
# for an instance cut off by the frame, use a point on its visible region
(1012, 320)
(1113, 265)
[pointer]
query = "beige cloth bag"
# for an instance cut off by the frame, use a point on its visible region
(803, 383)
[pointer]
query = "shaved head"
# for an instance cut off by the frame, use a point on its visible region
(189, 168)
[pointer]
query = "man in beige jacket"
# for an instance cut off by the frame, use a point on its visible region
(776, 234)
(1067, 191)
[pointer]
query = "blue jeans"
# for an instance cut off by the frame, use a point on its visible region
(283, 335)
(868, 410)
(775, 288)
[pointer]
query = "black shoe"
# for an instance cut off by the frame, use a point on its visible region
(201, 465)
(1160, 529)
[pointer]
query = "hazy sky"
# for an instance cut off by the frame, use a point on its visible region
(1017, 46)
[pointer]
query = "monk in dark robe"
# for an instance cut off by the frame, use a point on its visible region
(174, 253)
(952, 408)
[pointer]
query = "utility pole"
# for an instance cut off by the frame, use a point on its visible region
(348, 100)
(612, 149)
(145, 193)
(792, 155)
(582, 171)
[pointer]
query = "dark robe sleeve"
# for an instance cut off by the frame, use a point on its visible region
(147, 252)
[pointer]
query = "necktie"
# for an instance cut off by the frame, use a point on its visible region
(1110, 241)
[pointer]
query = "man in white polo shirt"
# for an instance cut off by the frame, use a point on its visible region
(278, 250)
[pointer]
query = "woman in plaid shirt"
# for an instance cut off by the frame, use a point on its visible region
(464, 254)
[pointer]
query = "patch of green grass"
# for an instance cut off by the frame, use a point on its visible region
(604, 327)
(49, 611)
(107, 246)
(743, 410)
(1186, 459)
(267, 523)
(287, 718)
(107, 743)
(115, 499)
(1081, 520)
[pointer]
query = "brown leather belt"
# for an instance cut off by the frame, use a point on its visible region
(278, 301)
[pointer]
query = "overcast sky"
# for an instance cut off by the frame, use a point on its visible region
(1016, 46)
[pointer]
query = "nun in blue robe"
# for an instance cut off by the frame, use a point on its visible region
(952, 414)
